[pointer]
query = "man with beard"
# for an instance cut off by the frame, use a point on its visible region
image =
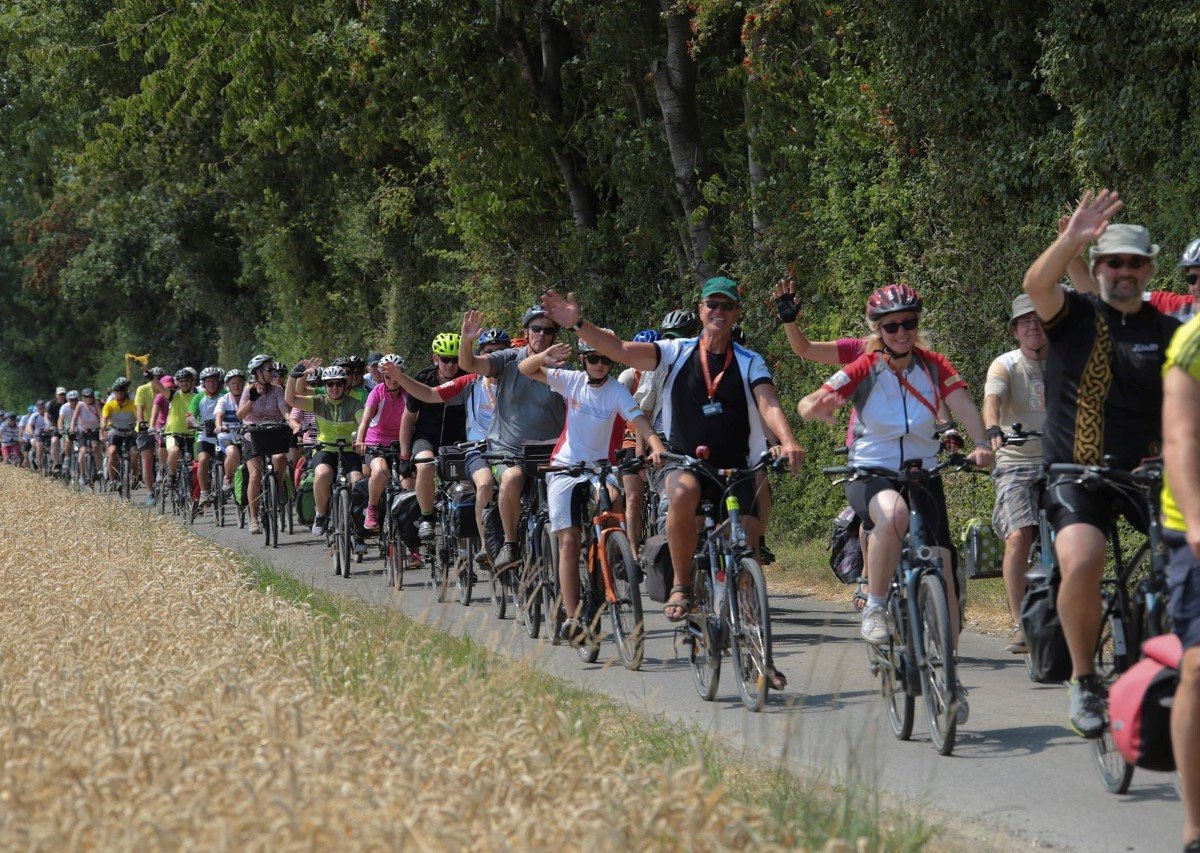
(1104, 387)
(1015, 392)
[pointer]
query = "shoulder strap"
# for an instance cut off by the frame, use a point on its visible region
(937, 396)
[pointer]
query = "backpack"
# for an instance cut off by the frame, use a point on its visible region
(1049, 661)
(985, 551)
(1139, 705)
(845, 548)
(239, 484)
(656, 564)
(306, 504)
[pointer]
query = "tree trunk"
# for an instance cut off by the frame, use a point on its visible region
(756, 168)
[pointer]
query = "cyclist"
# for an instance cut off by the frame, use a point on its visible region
(202, 416)
(373, 377)
(380, 426)
(428, 426)
(1181, 534)
(179, 402)
(676, 324)
(227, 420)
(37, 431)
(897, 387)
(594, 402)
(1104, 394)
(355, 370)
(1181, 306)
(53, 409)
(479, 401)
(63, 424)
(526, 410)
(10, 437)
(118, 413)
(1015, 392)
(261, 402)
(338, 416)
(85, 425)
(716, 393)
(631, 442)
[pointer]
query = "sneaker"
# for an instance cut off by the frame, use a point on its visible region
(360, 547)
(150, 499)
(425, 530)
(204, 498)
(1016, 641)
(414, 556)
(765, 554)
(574, 632)
(255, 528)
(481, 560)
(1089, 706)
(372, 520)
(875, 627)
(318, 528)
(507, 558)
(964, 707)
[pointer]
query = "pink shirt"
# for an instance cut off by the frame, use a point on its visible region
(158, 411)
(384, 427)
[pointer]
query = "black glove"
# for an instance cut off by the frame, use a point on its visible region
(995, 432)
(254, 395)
(787, 307)
(297, 371)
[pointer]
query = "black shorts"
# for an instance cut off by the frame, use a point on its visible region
(420, 445)
(351, 461)
(122, 441)
(929, 499)
(1184, 583)
(147, 440)
(386, 455)
(710, 491)
(1072, 503)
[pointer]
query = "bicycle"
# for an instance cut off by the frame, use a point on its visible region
(339, 534)
(730, 609)
(1130, 617)
(180, 492)
(85, 440)
(462, 538)
(608, 572)
(215, 476)
(124, 479)
(268, 439)
(918, 659)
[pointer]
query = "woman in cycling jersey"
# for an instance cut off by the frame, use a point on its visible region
(85, 423)
(380, 427)
(227, 421)
(261, 402)
(896, 388)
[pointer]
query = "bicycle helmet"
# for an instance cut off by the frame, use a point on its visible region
(647, 336)
(340, 361)
(355, 364)
(334, 372)
(582, 346)
(87, 392)
(185, 373)
(72, 395)
(681, 322)
(890, 299)
(446, 344)
(532, 314)
(257, 362)
(494, 336)
(31, 410)
(1191, 255)
(236, 373)
(210, 372)
(121, 383)
(279, 367)
(391, 358)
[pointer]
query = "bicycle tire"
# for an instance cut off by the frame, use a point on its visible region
(551, 599)
(893, 677)
(267, 511)
(704, 652)
(1116, 774)
(528, 595)
(465, 574)
(938, 676)
(344, 536)
(750, 644)
(591, 604)
(628, 622)
(217, 493)
(126, 479)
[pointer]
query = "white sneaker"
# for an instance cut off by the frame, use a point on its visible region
(875, 627)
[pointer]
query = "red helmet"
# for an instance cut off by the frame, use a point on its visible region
(892, 298)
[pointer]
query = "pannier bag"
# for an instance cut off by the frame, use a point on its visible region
(306, 504)
(462, 510)
(406, 512)
(240, 475)
(656, 564)
(270, 441)
(985, 551)
(1049, 661)
(1139, 705)
(845, 549)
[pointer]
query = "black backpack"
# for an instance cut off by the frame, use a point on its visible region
(845, 549)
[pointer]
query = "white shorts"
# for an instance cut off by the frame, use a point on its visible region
(559, 490)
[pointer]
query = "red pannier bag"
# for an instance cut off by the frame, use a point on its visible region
(1139, 705)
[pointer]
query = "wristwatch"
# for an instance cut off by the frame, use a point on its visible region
(578, 323)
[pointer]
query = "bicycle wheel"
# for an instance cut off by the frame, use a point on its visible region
(389, 536)
(126, 478)
(528, 594)
(890, 664)
(703, 632)
(217, 493)
(551, 600)
(751, 637)
(270, 498)
(1112, 658)
(465, 574)
(938, 678)
(344, 537)
(591, 602)
(628, 625)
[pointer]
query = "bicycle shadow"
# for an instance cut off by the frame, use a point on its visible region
(1011, 742)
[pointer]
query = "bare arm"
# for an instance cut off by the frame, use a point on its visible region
(292, 397)
(991, 417)
(825, 352)
(414, 387)
(964, 409)
(534, 366)
(472, 325)
(775, 420)
(646, 434)
(565, 312)
(1181, 451)
(408, 424)
(1077, 268)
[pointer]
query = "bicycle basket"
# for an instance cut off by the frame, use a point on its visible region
(985, 551)
(451, 464)
(270, 441)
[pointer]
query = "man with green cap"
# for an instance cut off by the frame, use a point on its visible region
(1015, 392)
(1104, 391)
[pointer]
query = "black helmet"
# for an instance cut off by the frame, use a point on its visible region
(257, 362)
(185, 373)
(532, 314)
(121, 383)
(355, 364)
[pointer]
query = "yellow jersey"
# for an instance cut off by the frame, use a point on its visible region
(1184, 352)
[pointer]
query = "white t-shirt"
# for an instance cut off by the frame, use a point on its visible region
(591, 410)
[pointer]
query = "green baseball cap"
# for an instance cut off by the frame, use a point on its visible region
(720, 286)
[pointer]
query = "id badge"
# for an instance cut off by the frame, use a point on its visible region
(711, 409)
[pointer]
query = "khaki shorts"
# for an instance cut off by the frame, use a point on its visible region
(1018, 497)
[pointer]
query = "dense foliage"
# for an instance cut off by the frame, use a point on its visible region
(206, 179)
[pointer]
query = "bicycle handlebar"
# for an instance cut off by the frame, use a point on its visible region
(718, 475)
(956, 462)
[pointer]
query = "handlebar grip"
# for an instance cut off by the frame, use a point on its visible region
(837, 470)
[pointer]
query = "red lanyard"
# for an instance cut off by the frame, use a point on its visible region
(908, 387)
(713, 384)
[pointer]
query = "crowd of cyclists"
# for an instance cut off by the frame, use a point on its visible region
(1104, 373)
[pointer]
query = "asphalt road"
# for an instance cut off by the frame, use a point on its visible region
(1016, 768)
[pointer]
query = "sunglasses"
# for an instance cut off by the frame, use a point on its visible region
(1191, 279)
(719, 305)
(448, 359)
(596, 358)
(1134, 263)
(544, 330)
(336, 383)
(907, 325)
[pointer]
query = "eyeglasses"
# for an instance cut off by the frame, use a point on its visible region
(719, 305)
(448, 359)
(335, 383)
(907, 325)
(1134, 263)
(1191, 279)
(544, 330)
(596, 358)
(1028, 322)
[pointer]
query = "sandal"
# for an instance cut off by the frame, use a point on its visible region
(681, 605)
(776, 678)
(860, 595)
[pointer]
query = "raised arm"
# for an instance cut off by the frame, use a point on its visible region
(1087, 223)
(472, 325)
(565, 312)
(1077, 268)
(534, 366)
(825, 352)
(413, 387)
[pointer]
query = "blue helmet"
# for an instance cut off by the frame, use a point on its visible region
(647, 336)
(494, 336)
